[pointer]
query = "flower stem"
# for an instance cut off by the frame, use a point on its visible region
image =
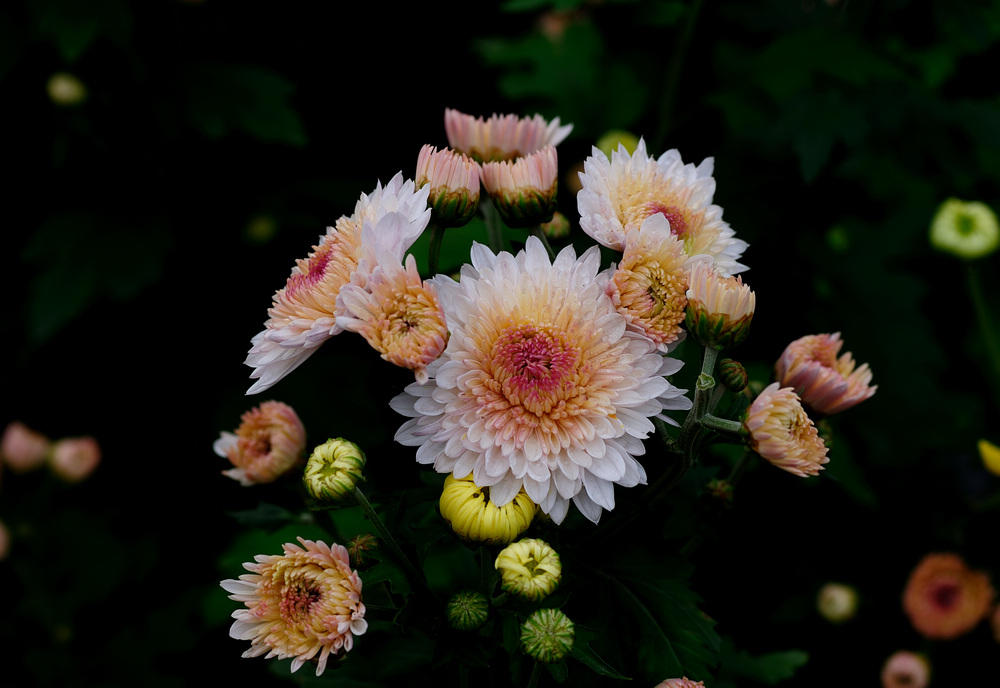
(387, 539)
(536, 674)
(983, 317)
(494, 227)
(681, 47)
(434, 251)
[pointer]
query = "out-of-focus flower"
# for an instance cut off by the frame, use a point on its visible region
(269, 442)
(4, 541)
(501, 137)
(837, 602)
(474, 517)
(650, 283)
(721, 490)
(303, 314)
(967, 229)
(556, 228)
(467, 610)
(733, 375)
(23, 449)
(547, 635)
(995, 623)
(453, 180)
(826, 383)
(905, 669)
(990, 454)
(684, 682)
(529, 568)
(66, 89)
(944, 598)
(541, 386)
(524, 190)
(780, 431)
(74, 458)
(719, 308)
(611, 140)
(304, 604)
(333, 471)
(399, 315)
(359, 546)
(618, 194)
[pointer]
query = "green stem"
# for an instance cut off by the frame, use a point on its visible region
(387, 539)
(537, 231)
(494, 227)
(536, 674)
(674, 77)
(434, 251)
(985, 324)
(702, 396)
(723, 425)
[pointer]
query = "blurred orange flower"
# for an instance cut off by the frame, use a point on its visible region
(944, 598)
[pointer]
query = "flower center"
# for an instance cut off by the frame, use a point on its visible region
(945, 595)
(297, 600)
(675, 216)
(310, 273)
(534, 366)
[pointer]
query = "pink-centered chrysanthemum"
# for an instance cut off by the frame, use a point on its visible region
(303, 314)
(905, 669)
(399, 315)
(618, 194)
(779, 431)
(541, 386)
(303, 605)
(650, 283)
(270, 441)
(944, 598)
(501, 137)
(524, 191)
(827, 383)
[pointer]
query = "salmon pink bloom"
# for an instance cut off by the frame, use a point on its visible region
(270, 441)
(453, 180)
(826, 383)
(74, 458)
(23, 449)
(944, 598)
(780, 431)
(684, 682)
(719, 308)
(501, 137)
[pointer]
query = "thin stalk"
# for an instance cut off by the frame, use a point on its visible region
(536, 674)
(388, 540)
(494, 227)
(434, 250)
(670, 88)
(985, 324)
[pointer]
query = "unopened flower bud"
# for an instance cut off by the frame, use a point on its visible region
(453, 179)
(557, 227)
(524, 191)
(467, 610)
(66, 89)
(719, 309)
(359, 545)
(547, 636)
(475, 518)
(733, 375)
(968, 230)
(333, 471)
(529, 568)
(905, 669)
(837, 602)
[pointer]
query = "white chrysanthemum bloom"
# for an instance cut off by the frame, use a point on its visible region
(618, 194)
(304, 312)
(541, 385)
(501, 137)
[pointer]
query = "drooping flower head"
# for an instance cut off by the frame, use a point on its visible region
(618, 194)
(719, 309)
(501, 137)
(269, 442)
(74, 458)
(23, 449)
(780, 431)
(826, 383)
(453, 181)
(944, 598)
(333, 471)
(541, 386)
(304, 604)
(905, 669)
(547, 635)
(470, 513)
(968, 230)
(399, 315)
(683, 682)
(303, 314)
(529, 568)
(649, 286)
(524, 190)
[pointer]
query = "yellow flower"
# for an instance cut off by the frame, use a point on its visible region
(966, 229)
(333, 470)
(529, 568)
(990, 454)
(472, 515)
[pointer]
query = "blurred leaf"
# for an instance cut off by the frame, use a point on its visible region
(388, 571)
(769, 668)
(585, 654)
(73, 26)
(266, 516)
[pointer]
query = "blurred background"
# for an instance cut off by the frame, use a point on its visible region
(171, 160)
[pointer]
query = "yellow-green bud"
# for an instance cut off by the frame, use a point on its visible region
(529, 568)
(610, 140)
(333, 471)
(547, 636)
(557, 227)
(733, 375)
(968, 230)
(837, 602)
(467, 610)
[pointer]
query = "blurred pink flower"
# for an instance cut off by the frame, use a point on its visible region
(270, 441)
(827, 384)
(22, 449)
(680, 683)
(944, 598)
(501, 137)
(904, 669)
(74, 458)
(781, 432)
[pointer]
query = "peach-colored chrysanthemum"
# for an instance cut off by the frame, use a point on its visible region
(905, 669)
(720, 308)
(684, 682)
(74, 458)
(618, 194)
(781, 432)
(944, 598)
(304, 604)
(826, 383)
(501, 137)
(23, 449)
(270, 441)
(650, 283)
(524, 191)
(399, 315)
(304, 312)
(541, 385)
(453, 180)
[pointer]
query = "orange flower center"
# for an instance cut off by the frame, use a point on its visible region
(533, 365)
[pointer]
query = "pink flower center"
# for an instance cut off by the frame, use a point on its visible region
(945, 595)
(533, 365)
(674, 215)
(311, 272)
(296, 602)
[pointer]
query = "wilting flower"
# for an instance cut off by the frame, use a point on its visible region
(467, 610)
(650, 283)
(826, 383)
(23, 449)
(780, 431)
(304, 604)
(547, 635)
(990, 454)
(270, 441)
(541, 386)
(399, 315)
(904, 669)
(944, 598)
(453, 180)
(966, 229)
(333, 471)
(837, 602)
(524, 190)
(684, 682)
(617, 195)
(474, 517)
(303, 316)
(503, 137)
(719, 309)
(74, 458)
(529, 568)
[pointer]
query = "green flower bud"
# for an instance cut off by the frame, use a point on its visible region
(547, 635)
(467, 610)
(967, 230)
(733, 375)
(333, 471)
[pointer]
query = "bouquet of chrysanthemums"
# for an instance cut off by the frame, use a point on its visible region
(545, 407)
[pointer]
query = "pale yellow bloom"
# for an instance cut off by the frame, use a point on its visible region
(529, 568)
(968, 230)
(837, 602)
(333, 470)
(990, 454)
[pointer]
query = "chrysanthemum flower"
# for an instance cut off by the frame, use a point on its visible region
(826, 383)
(453, 181)
(333, 471)
(399, 315)
(650, 283)
(269, 442)
(541, 386)
(719, 309)
(23, 449)
(944, 598)
(470, 513)
(905, 669)
(304, 604)
(524, 191)
(684, 682)
(503, 137)
(995, 623)
(618, 194)
(304, 312)
(837, 602)
(547, 635)
(74, 458)
(968, 230)
(780, 431)
(529, 568)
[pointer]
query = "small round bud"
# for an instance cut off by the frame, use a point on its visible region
(837, 602)
(467, 610)
(733, 375)
(557, 227)
(529, 568)
(65, 89)
(721, 490)
(333, 471)
(547, 636)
